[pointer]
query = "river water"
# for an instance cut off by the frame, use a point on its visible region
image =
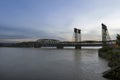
(51, 64)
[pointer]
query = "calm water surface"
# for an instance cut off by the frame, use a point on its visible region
(51, 64)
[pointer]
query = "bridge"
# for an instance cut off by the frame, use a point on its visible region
(77, 43)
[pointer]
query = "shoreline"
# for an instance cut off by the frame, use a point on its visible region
(113, 57)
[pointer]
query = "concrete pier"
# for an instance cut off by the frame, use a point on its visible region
(60, 46)
(77, 47)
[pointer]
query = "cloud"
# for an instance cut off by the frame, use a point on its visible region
(57, 19)
(9, 33)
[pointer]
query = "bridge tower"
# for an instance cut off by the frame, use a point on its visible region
(105, 35)
(77, 35)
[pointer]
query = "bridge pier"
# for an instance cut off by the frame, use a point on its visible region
(36, 45)
(77, 47)
(59, 46)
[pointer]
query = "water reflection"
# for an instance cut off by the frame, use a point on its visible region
(77, 55)
(50, 64)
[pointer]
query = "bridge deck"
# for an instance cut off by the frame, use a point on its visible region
(67, 44)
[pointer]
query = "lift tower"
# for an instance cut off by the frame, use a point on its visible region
(77, 35)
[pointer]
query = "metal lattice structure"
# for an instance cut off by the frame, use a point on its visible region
(106, 39)
(77, 35)
(48, 42)
(77, 43)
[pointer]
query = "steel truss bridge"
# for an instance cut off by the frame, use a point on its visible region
(77, 43)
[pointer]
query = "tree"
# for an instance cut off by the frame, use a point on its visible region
(118, 39)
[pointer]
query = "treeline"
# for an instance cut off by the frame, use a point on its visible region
(22, 44)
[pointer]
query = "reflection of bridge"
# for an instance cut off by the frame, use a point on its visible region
(77, 41)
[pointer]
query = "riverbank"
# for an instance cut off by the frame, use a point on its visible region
(113, 56)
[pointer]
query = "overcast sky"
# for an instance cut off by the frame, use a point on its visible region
(38, 19)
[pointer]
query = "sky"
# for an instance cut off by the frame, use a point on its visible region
(27, 20)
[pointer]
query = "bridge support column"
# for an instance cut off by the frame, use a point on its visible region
(37, 45)
(77, 47)
(59, 46)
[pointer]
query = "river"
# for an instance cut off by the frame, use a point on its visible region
(51, 64)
